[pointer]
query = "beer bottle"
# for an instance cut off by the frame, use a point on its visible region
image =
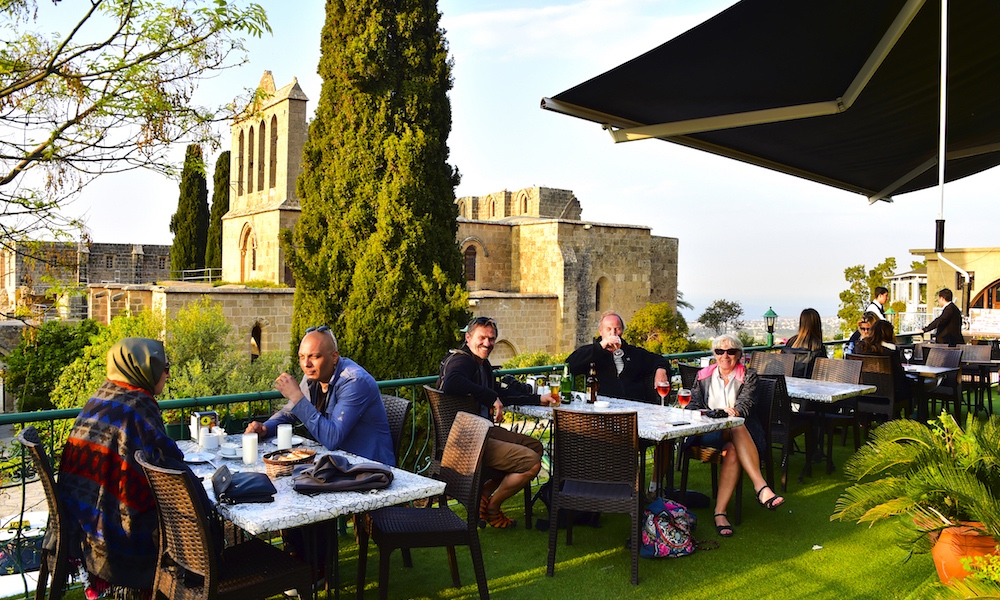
(566, 385)
(592, 384)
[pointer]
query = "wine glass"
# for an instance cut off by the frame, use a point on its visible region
(663, 389)
(683, 397)
(907, 354)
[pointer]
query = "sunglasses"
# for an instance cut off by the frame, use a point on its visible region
(321, 329)
(480, 322)
(166, 367)
(729, 351)
(864, 328)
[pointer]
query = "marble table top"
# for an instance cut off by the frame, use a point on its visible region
(292, 509)
(656, 423)
(925, 371)
(825, 391)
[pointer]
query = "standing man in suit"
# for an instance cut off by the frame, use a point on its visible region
(949, 323)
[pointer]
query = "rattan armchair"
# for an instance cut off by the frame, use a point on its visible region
(406, 527)
(189, 564)
(979, 386)
(595, 468)
(444, 407)
(689, 374)
(885, 403)
(844, 413)
(396, 411)
(55, 569)
(772, 363)
(949, 388)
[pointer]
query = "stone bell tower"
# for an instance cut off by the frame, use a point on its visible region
(265, 161)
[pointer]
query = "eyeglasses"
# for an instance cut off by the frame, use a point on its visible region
(864, 328)
(729, 351)
(480, 322)
(320, 328)
(166, 367)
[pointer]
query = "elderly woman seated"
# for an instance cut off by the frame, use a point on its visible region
(729, 386)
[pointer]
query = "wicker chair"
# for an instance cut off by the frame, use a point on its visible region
(397, 410)
(595, 468)
(843, 413)
(884, 403)
(949, 389)
(772, 363)
(191, 567)
(55, 563)
(689, 374)
(406, 527)
(763, 407)
(977, 377)
(444, 407)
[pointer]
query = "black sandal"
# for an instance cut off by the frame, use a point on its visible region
(724, 530)
(773, 502)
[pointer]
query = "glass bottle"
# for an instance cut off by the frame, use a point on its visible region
(566, 385)
(592, 384)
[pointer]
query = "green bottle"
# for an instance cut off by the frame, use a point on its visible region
(566, 385)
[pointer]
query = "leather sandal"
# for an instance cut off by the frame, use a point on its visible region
(484, 504)
(724, 530)
(499, 520)
(773, 502)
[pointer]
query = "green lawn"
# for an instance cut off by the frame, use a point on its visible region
(793, 552)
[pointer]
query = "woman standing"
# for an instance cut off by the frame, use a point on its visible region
(728, 385)
(112, 522)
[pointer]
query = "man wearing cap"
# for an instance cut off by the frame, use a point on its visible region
(467, 371)
(344, 408)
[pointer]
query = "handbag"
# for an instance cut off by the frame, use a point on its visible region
(334, 473)
(667, 530)
(240, 488)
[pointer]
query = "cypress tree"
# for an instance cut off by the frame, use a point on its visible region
(220, 206)
(190, 223)
(374, 252)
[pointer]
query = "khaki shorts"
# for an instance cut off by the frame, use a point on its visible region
(511, 452)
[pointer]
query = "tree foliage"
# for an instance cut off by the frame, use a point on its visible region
(33, 366)
(858, 295)
(722, 315)
(109, 92)
(190, 223)
(220, 206)
(374, 252)
(658, 328)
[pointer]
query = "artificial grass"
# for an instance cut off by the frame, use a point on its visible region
(793, 552)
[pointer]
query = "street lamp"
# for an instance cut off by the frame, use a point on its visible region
(769, 317)
(889, 314)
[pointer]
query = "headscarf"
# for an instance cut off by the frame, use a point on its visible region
(137, 361)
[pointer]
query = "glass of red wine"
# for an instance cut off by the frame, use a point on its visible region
(683, 397)
(663, 389)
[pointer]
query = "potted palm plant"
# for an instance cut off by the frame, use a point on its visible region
(940, 481)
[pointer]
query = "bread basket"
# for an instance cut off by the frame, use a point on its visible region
(281, 462)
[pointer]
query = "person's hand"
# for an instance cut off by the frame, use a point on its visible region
(288, 387)
(731, 411)
(553, 399)
(611, 342)
(255, 427)
(497, 411)
(660, 377)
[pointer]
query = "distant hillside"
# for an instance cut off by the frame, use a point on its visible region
(784, 327)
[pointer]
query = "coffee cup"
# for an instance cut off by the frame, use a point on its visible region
(208, 440)
(229, 449)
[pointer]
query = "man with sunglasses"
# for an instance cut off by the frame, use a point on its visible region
(623, 370)
(343, 407)
(467, 371)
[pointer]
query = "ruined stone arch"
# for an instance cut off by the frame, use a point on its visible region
(248, 252)
(522, 202)
(504, 350)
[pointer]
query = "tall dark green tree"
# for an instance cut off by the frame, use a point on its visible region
(190, 223)
(374, 252)
(220, 206)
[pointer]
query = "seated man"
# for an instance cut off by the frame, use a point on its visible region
(623, 371)
(344, 408)
(468, 371)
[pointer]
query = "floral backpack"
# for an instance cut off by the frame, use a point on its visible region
(667, 530)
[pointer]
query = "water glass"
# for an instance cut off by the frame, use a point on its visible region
(249, 448)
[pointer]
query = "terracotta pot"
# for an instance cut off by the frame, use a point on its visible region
(956, 543)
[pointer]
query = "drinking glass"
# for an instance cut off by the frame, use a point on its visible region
(683, 397)
(907, 354)
(663, 389)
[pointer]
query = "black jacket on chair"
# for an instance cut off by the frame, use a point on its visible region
(948, 325)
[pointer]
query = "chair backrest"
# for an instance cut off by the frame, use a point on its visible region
(184, 534)
(975, 353)
(802, 360)
(57, 516)
(396, 411)
(596, 446)
(772, 363)
(781, 403)
(763, 404)
(925, 348)
(877, 370)
(444, 408)
(462, 462)
(944, 357)
(837, 369)
(689, 374)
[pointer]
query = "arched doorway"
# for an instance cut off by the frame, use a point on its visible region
(255, 348)
(248, 253)
(988, 298)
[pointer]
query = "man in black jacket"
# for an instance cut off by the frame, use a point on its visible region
(623, 371)
(468, 371)
(949, 323)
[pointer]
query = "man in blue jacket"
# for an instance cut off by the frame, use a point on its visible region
(343, 407)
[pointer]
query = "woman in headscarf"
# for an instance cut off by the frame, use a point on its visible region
(111, 512)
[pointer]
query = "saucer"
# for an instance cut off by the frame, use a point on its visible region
(237, 454)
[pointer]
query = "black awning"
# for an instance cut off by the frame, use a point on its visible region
(776, 83)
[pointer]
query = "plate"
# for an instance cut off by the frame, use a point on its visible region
(197, 458)
(297, 439)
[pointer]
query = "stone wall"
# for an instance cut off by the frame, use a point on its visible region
(524, 320)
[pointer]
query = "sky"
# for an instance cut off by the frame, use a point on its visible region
(745, 233)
